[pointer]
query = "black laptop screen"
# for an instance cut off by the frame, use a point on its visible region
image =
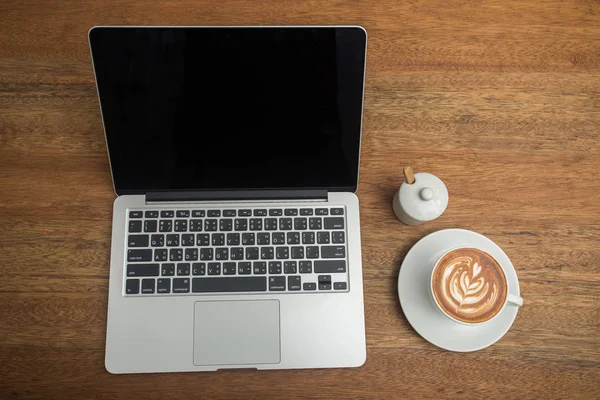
(231, 108)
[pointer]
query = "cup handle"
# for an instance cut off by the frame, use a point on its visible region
(515, 300)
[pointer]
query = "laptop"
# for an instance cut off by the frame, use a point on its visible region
(234, 154)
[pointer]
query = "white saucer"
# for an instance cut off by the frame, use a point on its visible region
(421, 312)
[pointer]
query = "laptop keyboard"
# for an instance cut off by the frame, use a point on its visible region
(246, 250)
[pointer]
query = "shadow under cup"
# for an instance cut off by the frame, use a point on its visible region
(470, 287)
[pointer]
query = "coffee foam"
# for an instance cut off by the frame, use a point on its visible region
(469, 285)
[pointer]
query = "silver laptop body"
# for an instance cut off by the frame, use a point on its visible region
(236, 235)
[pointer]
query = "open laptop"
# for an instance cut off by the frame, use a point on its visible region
(234, 154)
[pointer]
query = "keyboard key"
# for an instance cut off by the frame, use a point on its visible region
(182, 213)
(210, 225)
(297, 252)
(248, 239)
(181, 285)
(259, 268)
(241, 224)
(202, 239)
(151, 214)
(324, 282)
(229, 213)
(198, 269)
(165, 225)
(256, 224)
(338, 237)
(195, 225)
(270, 224)
(142, 269)
(181, 225)
(277, 283)
(285, 224)
(230, 284)
(308, 237)
(261, 212)
(206, 254)
(278, 238)
(161, 254)
(138, 240)
(283, 252)
(218, 239)
(139, 255)
(312, 251)
(306, 211)
(163, 286)
(251, 253)
(323, 237)
(263, 239)
(167, 214)
(330, 266)
(135, 214)
(183, 269)
(132, 286)
(267, 253)
(226, 225)
(337, 211)
(300, 224)
(244, 268)
(176, 255)
(294, 283)
(150, 225)
(290, 267)
(275, 267)
(291, 211)
(222, 253)
(236, 253)
(321, 211)
(214, 213)
(135, 226)
(233, 239)
(198, 213)
(276, 212)
(340, 286)
(191, 254)
(334, 222)
(245, 213)
(293, 238)
(214, 268)
(315, 223)
(187, 239)
(229, 268)
(167, 269)
(148, 286)
(173, 240)
(157, 240)
(305, 267)
(333, 252)
(309, 286)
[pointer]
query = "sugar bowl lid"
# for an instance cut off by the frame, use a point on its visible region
(422, 196)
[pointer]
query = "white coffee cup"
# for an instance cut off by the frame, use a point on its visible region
(510, 300)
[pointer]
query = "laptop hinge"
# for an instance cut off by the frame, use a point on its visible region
(240, 195)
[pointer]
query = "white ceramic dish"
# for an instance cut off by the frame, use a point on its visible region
(422, 313)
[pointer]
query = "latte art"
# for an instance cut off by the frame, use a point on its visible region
(469, 285)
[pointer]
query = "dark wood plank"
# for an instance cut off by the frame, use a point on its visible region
(501, 99)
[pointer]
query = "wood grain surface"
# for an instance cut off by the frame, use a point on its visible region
(501, 99)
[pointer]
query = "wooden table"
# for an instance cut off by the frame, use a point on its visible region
(501, 99)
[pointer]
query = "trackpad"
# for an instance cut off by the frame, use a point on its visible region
(236, 332)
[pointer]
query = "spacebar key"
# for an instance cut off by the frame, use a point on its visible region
(241, 284)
